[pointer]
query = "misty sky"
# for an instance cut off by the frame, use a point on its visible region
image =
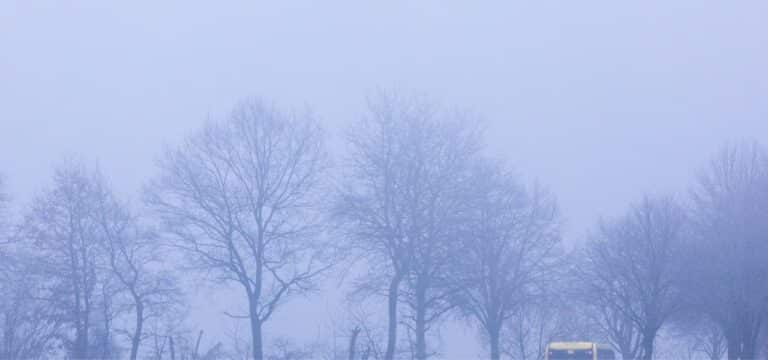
(602, 101)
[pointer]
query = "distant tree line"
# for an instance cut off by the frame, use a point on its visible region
(438, 229)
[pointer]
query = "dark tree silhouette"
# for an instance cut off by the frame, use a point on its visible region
(240, 197)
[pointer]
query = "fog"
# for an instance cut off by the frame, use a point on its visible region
(600, 103)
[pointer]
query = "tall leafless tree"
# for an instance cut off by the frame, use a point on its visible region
(444, 152)
(64, 235)
(399, 200)
(371, 205)
(509, 250)
(633, 262)
(240, 197)
(727, 264)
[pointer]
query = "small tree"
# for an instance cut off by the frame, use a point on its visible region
(240, 198)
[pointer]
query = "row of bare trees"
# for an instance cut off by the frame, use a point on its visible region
(249, 201)
(239, 201)
(441, 230)
(695, 263)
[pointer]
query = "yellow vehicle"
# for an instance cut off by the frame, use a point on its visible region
(578, 351)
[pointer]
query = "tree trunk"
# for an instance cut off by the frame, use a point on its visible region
(81, 342)
(353, 343)
(421, 342)
(494, 334)
(421, 321)
(392, 295)
(648, 345)
(196, 353)
(256, 340)
(136, 339)
(172, 348)
(87, 306)
(734, 350)
(106, 342)
(8, 335)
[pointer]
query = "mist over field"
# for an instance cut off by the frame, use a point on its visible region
(293, 180)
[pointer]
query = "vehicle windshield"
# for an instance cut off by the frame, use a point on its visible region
(570, 354)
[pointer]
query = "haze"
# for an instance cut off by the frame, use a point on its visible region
(602, 102)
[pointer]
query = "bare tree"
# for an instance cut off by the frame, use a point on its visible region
(509, 250)
(134, 258)
(606, 315)
(94, 262)
(371, 206)
(603, 313)
(399, 199)
(633, 262)
(438, 217)
(709, 340)
(64, 236)
(30, 324)
(240, 197)
(727, 262)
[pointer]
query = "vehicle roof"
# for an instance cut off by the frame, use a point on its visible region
(578, 345)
